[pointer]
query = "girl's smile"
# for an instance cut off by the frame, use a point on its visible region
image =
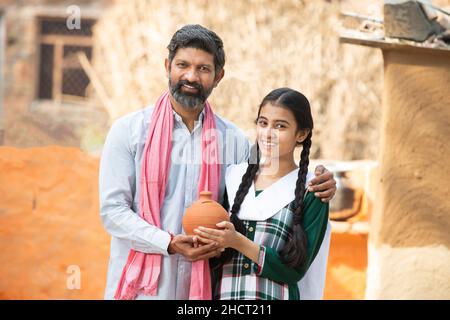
(277, 132)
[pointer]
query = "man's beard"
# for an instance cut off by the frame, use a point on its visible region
(187, 99)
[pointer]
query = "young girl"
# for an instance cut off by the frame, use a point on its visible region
(276, 226)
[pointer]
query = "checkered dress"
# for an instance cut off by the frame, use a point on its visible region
(239, 277)
(242, 279)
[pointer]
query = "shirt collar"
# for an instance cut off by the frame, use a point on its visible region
(179, 120)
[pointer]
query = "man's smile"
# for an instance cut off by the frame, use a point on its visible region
(189, 88)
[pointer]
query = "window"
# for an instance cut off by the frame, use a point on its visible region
(61, 76)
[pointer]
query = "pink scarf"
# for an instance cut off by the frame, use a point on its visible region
(141, 272)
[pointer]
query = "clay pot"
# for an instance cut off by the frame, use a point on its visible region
(204, 212)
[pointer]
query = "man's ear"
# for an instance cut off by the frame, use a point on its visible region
(167, 65)
(219, 77)
(301, 135)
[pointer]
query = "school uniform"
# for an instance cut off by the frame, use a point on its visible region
(268, 219)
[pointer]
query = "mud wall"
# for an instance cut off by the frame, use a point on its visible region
(52, 242)
(409, 243)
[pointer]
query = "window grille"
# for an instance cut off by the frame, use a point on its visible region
(61, 76)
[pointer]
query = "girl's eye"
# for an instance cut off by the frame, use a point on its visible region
(262, 122)
(280, 126)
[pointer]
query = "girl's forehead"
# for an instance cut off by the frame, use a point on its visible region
(275, 112)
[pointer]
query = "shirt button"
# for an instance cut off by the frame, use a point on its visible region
(246, 266)
(250, 229)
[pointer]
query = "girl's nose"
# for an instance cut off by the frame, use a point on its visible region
(268, 134)
(272, 134)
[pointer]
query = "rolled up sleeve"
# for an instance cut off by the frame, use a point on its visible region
(117, 185)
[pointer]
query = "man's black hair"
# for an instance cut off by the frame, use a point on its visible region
(196, 36)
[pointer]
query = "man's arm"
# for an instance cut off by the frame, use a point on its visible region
(117, 182)
(323, 184)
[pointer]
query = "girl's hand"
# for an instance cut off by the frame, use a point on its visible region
(198, 241)
(226, 238)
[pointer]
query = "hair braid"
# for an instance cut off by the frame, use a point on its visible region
(294, 252)
(246, 182)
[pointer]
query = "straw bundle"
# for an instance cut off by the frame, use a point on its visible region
(268, 44)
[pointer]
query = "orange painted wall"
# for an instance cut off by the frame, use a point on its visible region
(347, 264)
(49, 221)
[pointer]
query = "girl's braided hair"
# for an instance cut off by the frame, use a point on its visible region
(294, 252)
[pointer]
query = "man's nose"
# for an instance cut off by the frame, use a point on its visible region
(191, 75)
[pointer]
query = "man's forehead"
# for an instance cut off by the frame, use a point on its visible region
(194, 55)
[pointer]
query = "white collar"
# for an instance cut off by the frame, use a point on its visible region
(269, 202)
(177, 117)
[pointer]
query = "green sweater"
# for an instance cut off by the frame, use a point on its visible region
(315, 225)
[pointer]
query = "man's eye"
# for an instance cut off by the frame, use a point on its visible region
(204, 69)
(181, 65)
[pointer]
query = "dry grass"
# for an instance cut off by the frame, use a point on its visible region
(268, 44)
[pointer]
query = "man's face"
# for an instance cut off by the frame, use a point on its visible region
(192, 76)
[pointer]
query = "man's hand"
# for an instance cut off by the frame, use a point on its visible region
(323, 185)
(198, 242)
(184, 245)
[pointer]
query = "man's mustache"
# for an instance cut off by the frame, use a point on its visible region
(195, 85)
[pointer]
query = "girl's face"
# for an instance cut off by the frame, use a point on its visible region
(277, 132)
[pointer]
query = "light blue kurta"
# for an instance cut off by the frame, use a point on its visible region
(119, 190)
